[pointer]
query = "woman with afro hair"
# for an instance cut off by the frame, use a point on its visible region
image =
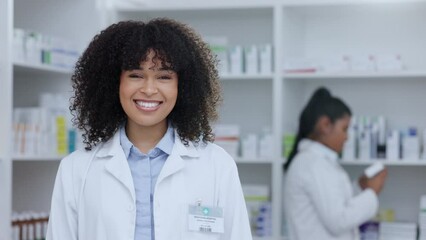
(144, 96)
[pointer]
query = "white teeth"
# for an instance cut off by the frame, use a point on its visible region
(147, 104)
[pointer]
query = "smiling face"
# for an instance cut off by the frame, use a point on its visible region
(148, 94)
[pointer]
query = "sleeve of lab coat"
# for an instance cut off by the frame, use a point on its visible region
(236, 221)
(337, 214)
(63, 213)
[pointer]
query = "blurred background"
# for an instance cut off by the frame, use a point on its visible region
(273, 55)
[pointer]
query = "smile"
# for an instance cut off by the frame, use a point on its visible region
(148, 105)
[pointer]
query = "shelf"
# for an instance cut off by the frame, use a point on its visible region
(244, 77)
(269, 238)
(33, 68)
(139, 6)
(421, 162)
(356, 75)
(254, 160)
(310, 3)
(37, 158)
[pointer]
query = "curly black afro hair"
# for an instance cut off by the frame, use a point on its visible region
(123, 46)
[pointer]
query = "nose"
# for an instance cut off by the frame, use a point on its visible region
(149, 87)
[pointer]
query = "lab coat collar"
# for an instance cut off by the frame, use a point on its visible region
(111, 147)
(176, 160)
(118, 167)
(307, 144)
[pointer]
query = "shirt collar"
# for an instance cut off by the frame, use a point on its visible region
(165, 144)
(307, 144)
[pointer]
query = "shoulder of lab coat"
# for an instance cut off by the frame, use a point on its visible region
(338, 214)
(71, 174)
(63, 216)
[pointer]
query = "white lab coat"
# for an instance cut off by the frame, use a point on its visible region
(319, 199)
(94, 196)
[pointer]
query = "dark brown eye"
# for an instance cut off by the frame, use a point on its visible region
(133, 75)
(165, 77)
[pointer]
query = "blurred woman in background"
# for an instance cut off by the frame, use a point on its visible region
(320, 202)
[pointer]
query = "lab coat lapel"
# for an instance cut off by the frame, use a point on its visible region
(117, 164)
(175, 162)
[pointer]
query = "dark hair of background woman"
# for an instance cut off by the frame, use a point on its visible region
(123, 46)
(320, 104)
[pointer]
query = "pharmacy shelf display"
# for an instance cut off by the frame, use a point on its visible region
(371, 54)
(6, 25)
(394, 162)
(39, 45)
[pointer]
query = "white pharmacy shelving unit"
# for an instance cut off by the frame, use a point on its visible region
(26, 181)
(296, 29)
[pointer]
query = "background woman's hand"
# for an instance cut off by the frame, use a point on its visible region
(376, 183)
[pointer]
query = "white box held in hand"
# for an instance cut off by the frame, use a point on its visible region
(374, 169)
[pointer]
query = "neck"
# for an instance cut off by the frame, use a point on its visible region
(324, 142)
(145, 138)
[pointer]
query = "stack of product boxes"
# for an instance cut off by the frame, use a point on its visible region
(345, 63)
(228, 137)
(259, 209)
(35, 48)
(251, 147)
(398, 231)
(45, 130)
(368, 138)
(236, 60)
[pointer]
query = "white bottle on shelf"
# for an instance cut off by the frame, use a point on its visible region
(219, 46)
(393, 145)
(236, 60)
(381, 141)
(251, 59)
(365, 139)
(349, 148)
(265, 59)
(266, 144)
(411, 145)
(18, 45)
(249, 147)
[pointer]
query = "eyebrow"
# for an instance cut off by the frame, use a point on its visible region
(159, 69)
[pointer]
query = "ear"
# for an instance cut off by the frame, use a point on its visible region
(324, 125)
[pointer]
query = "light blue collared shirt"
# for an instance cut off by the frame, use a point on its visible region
(145, 169)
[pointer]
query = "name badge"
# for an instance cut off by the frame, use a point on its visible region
(205, 219)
